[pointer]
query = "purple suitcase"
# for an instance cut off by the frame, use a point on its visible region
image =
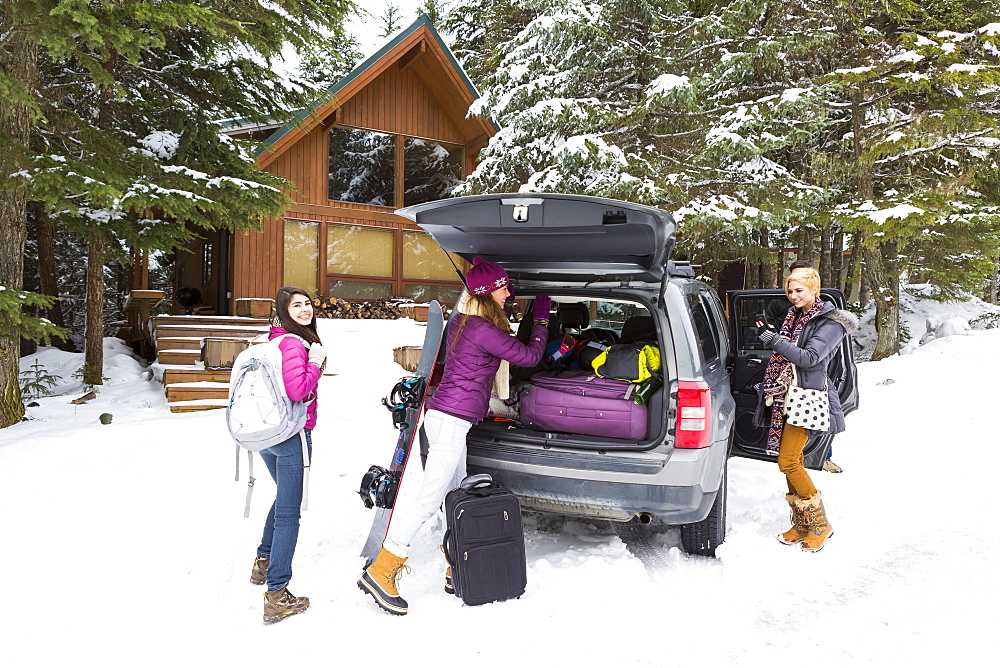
(582, 403)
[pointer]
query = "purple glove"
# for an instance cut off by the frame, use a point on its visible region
(543, 304)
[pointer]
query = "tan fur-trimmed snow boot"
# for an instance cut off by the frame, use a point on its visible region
(799, 529)
(819, 528)
(281, 604)
(380, 579)
(258, 575)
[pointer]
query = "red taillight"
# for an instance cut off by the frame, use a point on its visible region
(694, 414)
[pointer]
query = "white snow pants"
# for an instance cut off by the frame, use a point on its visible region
(443, 472)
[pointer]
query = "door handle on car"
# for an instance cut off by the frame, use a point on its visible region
(754, 361)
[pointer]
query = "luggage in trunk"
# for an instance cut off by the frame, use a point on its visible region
(484, 542)
(580, 402)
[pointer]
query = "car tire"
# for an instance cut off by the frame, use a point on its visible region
(702, 538)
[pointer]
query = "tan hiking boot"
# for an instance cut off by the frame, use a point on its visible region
(799, 529)
(819, 528)
(258, 575)
(282, 603)
(380, 579)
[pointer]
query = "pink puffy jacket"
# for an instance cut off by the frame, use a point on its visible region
(301, 378)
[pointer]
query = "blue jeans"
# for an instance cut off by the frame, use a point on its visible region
(281, 531)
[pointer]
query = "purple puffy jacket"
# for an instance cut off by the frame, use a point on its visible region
(301, 378)
(473, 361)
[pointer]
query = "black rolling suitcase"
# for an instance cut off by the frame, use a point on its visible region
(484, 542)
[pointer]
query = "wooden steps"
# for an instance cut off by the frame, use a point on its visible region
(196, 391)
(189, 386)
(195, 375)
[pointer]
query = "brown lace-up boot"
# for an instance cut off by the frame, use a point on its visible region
(282, 603)
(258, 575)
(819, 529)
(799, 529)
(380, 579)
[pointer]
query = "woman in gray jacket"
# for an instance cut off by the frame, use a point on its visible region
(808, 339)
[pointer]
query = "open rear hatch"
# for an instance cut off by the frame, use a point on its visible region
(553, 237)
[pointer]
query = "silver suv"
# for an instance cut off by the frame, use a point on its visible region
(607, 266)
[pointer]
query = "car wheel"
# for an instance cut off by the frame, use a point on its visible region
(701, 538)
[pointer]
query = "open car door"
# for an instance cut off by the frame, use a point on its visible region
(750, 359)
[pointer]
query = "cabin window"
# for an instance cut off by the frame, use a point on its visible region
(367, 290)
(431, 170)
(426, 270)
(359, 261)
(362, 166)
(301, 254)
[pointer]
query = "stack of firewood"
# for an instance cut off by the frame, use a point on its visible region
(331, 307)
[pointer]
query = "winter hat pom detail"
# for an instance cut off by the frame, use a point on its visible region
(485, 277)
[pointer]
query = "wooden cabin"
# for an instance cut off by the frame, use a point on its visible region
(391, 133)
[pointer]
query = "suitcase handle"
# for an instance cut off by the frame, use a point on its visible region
(473, 481)
(444, 548)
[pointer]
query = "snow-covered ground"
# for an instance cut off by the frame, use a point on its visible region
(125, 545)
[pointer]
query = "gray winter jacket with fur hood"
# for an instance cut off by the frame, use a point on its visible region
(811, 354)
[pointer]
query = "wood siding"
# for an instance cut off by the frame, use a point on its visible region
(414, 90)
(258, 260)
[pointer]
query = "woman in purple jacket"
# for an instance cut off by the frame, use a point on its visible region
(302, 362)
(477, 344)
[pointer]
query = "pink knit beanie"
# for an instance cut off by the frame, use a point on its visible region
(485, 277)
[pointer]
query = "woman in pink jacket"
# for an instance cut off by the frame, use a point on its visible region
(302, 362)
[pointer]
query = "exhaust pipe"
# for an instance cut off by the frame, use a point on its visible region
(644, 518)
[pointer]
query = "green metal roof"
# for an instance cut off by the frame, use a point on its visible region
(302, 114)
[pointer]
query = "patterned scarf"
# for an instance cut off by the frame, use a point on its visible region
(778, 375)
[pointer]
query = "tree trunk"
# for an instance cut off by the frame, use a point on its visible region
(885, 291)
(767, 279)
(837, 261)
(852, 269)
(825, 264)
(94, 335)
(806, 244)
(93, 366)
(47, 275)
(992, 297)
(18, 60)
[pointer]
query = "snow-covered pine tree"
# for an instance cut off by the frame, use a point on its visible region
(921, 123)
(126, 117)
(736, 147)
(563, 90)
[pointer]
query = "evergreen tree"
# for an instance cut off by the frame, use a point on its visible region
(564, 91)
(924, 122)
(123, 101)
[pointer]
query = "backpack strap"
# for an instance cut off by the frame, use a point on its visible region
(246, 509)
(305, 470)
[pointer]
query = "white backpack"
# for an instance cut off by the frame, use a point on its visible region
(259, 413)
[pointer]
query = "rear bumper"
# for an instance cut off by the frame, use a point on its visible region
(617, 502)
(676, 490)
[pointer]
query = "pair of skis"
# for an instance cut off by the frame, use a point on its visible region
(381, 485)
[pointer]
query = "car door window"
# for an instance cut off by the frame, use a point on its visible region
(708, 342)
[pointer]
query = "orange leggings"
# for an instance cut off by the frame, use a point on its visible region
(791, 461)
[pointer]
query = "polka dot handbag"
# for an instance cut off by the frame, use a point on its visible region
(809, 409)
